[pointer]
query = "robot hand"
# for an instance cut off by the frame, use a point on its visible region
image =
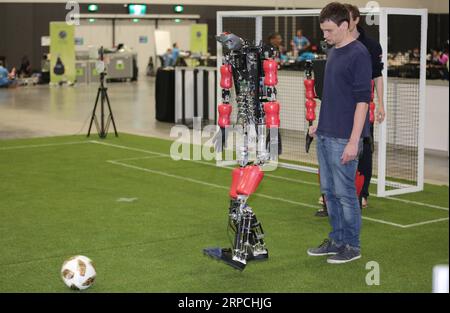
(220, 140)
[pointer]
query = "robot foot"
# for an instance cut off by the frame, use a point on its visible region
(259, 257)
(224, 255)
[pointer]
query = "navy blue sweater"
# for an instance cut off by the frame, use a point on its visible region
(375, 52)
(348, 75)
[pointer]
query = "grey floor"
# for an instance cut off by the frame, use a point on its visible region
(36, 111)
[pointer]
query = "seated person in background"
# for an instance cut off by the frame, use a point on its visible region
(414, 57)
(443, 58)
(275, 41)
(13, 75)
(6, 79)
(444, 61)
(45, 70)
(45, 63)
(435, 56)
(300, 43)
(25, 68)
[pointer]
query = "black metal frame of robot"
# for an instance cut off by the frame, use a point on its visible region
(248, 74)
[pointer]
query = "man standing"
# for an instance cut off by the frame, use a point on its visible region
(175, 54)
(374, 48)
(343, 121)
(365, 163)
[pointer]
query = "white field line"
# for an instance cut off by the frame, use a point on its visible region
(382, 222)
(141, 158)
(214, 165)
(426, 222)
(261, 195)
(45, 145)
(418, 203)
(206, 184)
(267, 175)
(200, 162)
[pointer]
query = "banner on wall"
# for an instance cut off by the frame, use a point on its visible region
(62, 52)
(199, 38)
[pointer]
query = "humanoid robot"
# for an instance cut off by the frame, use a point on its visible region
(253, 70)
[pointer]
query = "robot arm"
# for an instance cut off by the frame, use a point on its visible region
(225, 108)
(310, 103)
(272, 107)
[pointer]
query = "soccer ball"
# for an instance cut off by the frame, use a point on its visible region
(78, 272)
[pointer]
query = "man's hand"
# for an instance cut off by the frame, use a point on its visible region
(350, 152)
(380, 113)
(312, 131)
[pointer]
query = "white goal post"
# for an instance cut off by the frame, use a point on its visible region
(399, 141)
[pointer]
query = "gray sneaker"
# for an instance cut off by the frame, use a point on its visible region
(327, 247)
(347, 254)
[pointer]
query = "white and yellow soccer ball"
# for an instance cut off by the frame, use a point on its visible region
(78, 272)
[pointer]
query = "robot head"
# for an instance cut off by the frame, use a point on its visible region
(230, 41)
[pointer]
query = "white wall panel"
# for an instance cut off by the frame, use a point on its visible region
(130, 33)
(98, 33)
(436, 118)
(179, 32)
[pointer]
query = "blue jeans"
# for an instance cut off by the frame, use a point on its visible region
(337, 182)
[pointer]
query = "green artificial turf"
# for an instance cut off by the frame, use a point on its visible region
(59, 200)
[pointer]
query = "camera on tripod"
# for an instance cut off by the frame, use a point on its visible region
(100, 64)
(102, 94)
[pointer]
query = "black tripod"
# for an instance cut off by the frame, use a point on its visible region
(102, 129)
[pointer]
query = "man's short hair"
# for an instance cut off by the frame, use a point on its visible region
(354, 11)
(335, 12)
(1, 63)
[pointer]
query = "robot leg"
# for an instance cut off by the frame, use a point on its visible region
(249, 239)
(259, 250)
